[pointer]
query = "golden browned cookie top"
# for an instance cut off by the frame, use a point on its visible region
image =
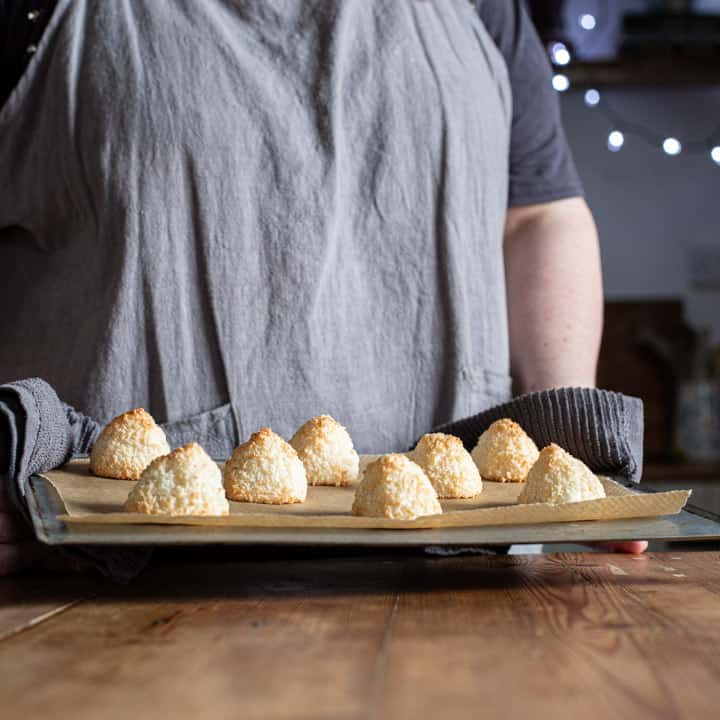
(265, 469)
(127, 445)
(393, 486)
(504, 452)
(448, 465)
(184, 482)
(558, 477)
(327, 452)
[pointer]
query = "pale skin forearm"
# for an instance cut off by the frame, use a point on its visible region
(554, 291)
(555, 302)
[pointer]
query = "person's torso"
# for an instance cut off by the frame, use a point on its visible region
(276, 206)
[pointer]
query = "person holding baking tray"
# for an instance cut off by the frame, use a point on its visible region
(238, 213)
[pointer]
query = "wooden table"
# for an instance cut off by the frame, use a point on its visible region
(556, 636)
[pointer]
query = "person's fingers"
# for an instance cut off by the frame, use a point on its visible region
(631, 547)
(21, 556)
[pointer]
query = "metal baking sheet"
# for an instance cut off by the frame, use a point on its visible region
(45, 506)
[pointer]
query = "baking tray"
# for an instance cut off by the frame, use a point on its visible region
(46, 505)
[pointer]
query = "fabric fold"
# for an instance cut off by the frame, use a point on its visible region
(35, 421)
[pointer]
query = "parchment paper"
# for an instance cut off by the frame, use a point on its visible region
(89, 499)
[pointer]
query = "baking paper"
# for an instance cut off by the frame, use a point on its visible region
(90, 499)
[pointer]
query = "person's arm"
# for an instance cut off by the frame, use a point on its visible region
(554, 292)
(551, 247)
(555, 302)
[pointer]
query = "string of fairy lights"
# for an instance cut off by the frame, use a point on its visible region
(622, 126)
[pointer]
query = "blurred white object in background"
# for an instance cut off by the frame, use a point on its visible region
(672, 146)
(615, 140)
(560, 82)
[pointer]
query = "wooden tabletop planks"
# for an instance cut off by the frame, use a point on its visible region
(28, 601)
(556, 636)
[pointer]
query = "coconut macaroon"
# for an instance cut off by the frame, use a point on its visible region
(127, 445)
(326, 450)
(393, 486)
(184, 482)
(448, 466)
(558, 477)
(504, 452)
(265, 469)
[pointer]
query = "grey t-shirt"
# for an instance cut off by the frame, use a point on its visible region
(541, 164)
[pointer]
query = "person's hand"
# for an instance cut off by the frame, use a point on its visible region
(18, 548)
(631, 547)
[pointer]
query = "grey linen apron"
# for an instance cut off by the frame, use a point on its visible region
(239, 214)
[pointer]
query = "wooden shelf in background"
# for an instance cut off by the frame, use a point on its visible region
(662, 71)
(653, 472)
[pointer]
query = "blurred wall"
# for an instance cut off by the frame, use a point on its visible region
(652, 209)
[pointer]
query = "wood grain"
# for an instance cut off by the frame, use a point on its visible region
(556, 636)
(28, 601)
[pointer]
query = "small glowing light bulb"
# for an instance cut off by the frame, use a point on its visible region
(615, 140)
(560, 82)
(592, 97)
(715, 154)
(560, 54)
(672, 146)
(587, 21)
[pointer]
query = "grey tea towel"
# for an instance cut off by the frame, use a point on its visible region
(38, 432)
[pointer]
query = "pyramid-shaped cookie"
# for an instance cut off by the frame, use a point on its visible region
(265, 469)
(127, 445)
(326, 450)
(448, 466)
(504, 452)
(395, 487)
(558, 477)
(184, 482)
